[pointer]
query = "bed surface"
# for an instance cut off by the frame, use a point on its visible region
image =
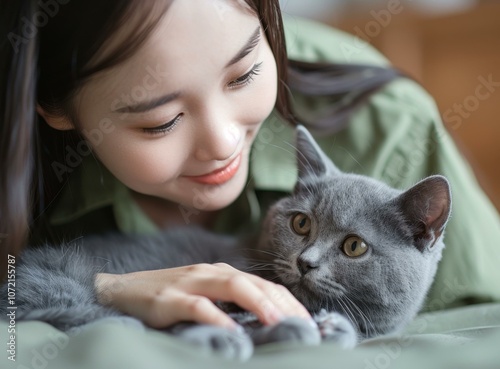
(467, 337)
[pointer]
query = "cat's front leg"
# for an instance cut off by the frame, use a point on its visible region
(230, 344)
(335, 327)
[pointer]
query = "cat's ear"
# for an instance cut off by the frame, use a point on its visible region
(426, 208)
(311, 160)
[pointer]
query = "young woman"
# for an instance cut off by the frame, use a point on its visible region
(135, 116)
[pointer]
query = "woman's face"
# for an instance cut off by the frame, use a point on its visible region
(177, 119)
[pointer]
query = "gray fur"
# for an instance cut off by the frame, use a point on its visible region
(350, 298)
(382, 290)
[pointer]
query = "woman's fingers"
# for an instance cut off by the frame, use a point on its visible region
(287, 303)
(174, 306)
(269, 301)
(163, 297)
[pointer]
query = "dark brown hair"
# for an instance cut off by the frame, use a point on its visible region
(47, 53)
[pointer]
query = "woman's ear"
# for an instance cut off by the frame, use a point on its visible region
(61, 123)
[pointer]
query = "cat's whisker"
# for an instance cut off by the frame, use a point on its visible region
(273, 278)
(361, 317)
(347, 312)
(281, 271)
(294, 152)
(304, 160)
(268, 252)
(325, 290)
(367, 323)
(332, 285)
(259, 267)
(365, 318)
(282, 263)
(252, 261)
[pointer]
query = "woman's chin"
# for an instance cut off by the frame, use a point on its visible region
(219, 196)
(213, 198)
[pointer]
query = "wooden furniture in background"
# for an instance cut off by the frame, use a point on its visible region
(452, 56)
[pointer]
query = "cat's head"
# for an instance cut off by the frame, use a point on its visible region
(352, 244)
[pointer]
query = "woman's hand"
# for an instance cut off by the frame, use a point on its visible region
(163, 297)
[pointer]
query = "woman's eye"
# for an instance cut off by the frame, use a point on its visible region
(354, 246)
(246, 78)
(164, 128)
(301, 224)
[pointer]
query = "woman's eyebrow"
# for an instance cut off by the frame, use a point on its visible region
(252, 42)
(145, 106)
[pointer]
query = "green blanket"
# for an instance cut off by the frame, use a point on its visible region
(467, 337)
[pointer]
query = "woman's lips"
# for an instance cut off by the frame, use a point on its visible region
(219, 176)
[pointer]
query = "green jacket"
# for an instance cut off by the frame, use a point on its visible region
(397, 137)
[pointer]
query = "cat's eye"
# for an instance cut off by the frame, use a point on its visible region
(301, 224)
(354, 246)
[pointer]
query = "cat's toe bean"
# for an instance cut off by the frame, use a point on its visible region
(334, 327)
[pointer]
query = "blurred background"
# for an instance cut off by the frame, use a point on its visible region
(452, 47)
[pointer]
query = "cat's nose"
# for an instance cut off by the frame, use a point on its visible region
(305, 264)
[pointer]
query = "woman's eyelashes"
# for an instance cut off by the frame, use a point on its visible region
(244, 80)
(247, 78)
(164, 128)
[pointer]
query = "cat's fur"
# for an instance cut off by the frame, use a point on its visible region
(351, 298)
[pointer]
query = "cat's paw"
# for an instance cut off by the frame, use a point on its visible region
(335, 327)
(289, 330)
(229, 344)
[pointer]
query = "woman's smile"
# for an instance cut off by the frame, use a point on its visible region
(205, 113)
(219, 176)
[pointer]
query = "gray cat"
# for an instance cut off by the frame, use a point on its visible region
(358, 254)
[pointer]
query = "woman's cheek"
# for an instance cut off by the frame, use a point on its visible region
(137, 161)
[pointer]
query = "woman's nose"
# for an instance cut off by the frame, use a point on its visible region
(217, 141)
